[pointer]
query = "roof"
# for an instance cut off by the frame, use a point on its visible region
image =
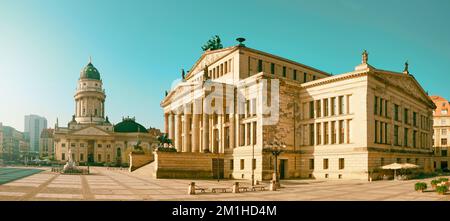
(90, 72)
(47, 133)
(442, 106)
(129, 125)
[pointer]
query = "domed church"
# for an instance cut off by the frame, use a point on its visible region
(90, 135)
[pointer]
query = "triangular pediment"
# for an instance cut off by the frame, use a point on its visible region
(92, 130)
(208, 58)
(405, 82)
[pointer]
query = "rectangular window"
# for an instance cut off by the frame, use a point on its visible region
(295, 75)
(385, 133)
(314, 77)
(99, 146)
(325, 132)
(260, 66)
(311, 134)
(304, 77)
(333, 106)
(414, 138)
(318, 108)
(63, 145)
(376, 132)
(272, 68)
(333, 132)
(396, 135)
(341, 163)
(231, 164)
(405, 142)
(81, 157)
(341, 104)
(311, 109)
(325, 107)
(248, 133)
(443, 141)
(319, 134)
(396, 112)
(443, 131)
(311, 164)
(242, 135)
(99, 157)
(406, 116)
(108, 158)
(254, 164)
(375, 107)
(341, 131)
(63, 156)
(414, 119)
(444, 153)
(284, 71)
(386, 108)
(325, 164)
(242, 164)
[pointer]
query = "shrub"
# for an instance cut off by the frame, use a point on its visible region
(420, 186)
(168, 149)
(435, 182)
(443, 180)
(442, 189)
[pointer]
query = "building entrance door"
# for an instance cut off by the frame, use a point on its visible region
(218, 168)
(444, 165)
(283, 169)
(90, 151)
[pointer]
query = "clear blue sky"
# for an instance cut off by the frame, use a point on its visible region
(139, 47)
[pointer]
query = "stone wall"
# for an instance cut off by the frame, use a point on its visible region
(138, 160)
(184, 165)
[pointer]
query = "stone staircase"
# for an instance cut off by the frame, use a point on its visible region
(145, 172)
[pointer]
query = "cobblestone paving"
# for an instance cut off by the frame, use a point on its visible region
(105, 184)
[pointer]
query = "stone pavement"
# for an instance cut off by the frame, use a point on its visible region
(106, 185)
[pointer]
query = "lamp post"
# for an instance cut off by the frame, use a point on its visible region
(276, 148)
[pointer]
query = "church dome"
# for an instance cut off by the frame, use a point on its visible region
(129, 125)
(90, 72)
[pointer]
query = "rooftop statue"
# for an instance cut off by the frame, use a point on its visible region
(213, 44)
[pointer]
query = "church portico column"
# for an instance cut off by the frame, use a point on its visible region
(171, 126)
(186, 130)
(166, 123)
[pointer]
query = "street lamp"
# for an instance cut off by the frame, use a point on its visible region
(276, 148)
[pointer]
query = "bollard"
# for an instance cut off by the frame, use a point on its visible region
(236, 187)
(273, 185)
(191, 189)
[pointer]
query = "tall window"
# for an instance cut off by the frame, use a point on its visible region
(341, 104)
(406, 113)
(231, 164)
(311, 109)
(376, 132)
(284, 71)
(311, 164)
(375, 108)
(272, 68)
(444, 141)
(341, 131)
(248, 133)
(311, 134)
(242, 164)
(333, 106)
(325, 133)
(318, 108)
(396, 135)
(333, 132)
(405, 142)
(260, 66)
(325, 164)
(304, 77)
(319, 134)
(414, 138)
(396, 112)
(325, 107)
(295, 75)
(414, 119)
(341, 163)
(254, 164)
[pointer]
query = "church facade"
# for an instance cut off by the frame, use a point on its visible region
(240, 104)
(90, 135)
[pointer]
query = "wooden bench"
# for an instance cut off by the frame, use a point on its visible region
(222, 189)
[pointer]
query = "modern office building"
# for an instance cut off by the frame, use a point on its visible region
(34, 125)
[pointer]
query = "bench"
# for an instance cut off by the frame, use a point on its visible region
(260, 187)
(201, 189)
(222, 189)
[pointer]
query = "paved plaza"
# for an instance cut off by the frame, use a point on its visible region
(113, 184)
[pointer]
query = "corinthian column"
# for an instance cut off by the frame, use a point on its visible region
(205, 135)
